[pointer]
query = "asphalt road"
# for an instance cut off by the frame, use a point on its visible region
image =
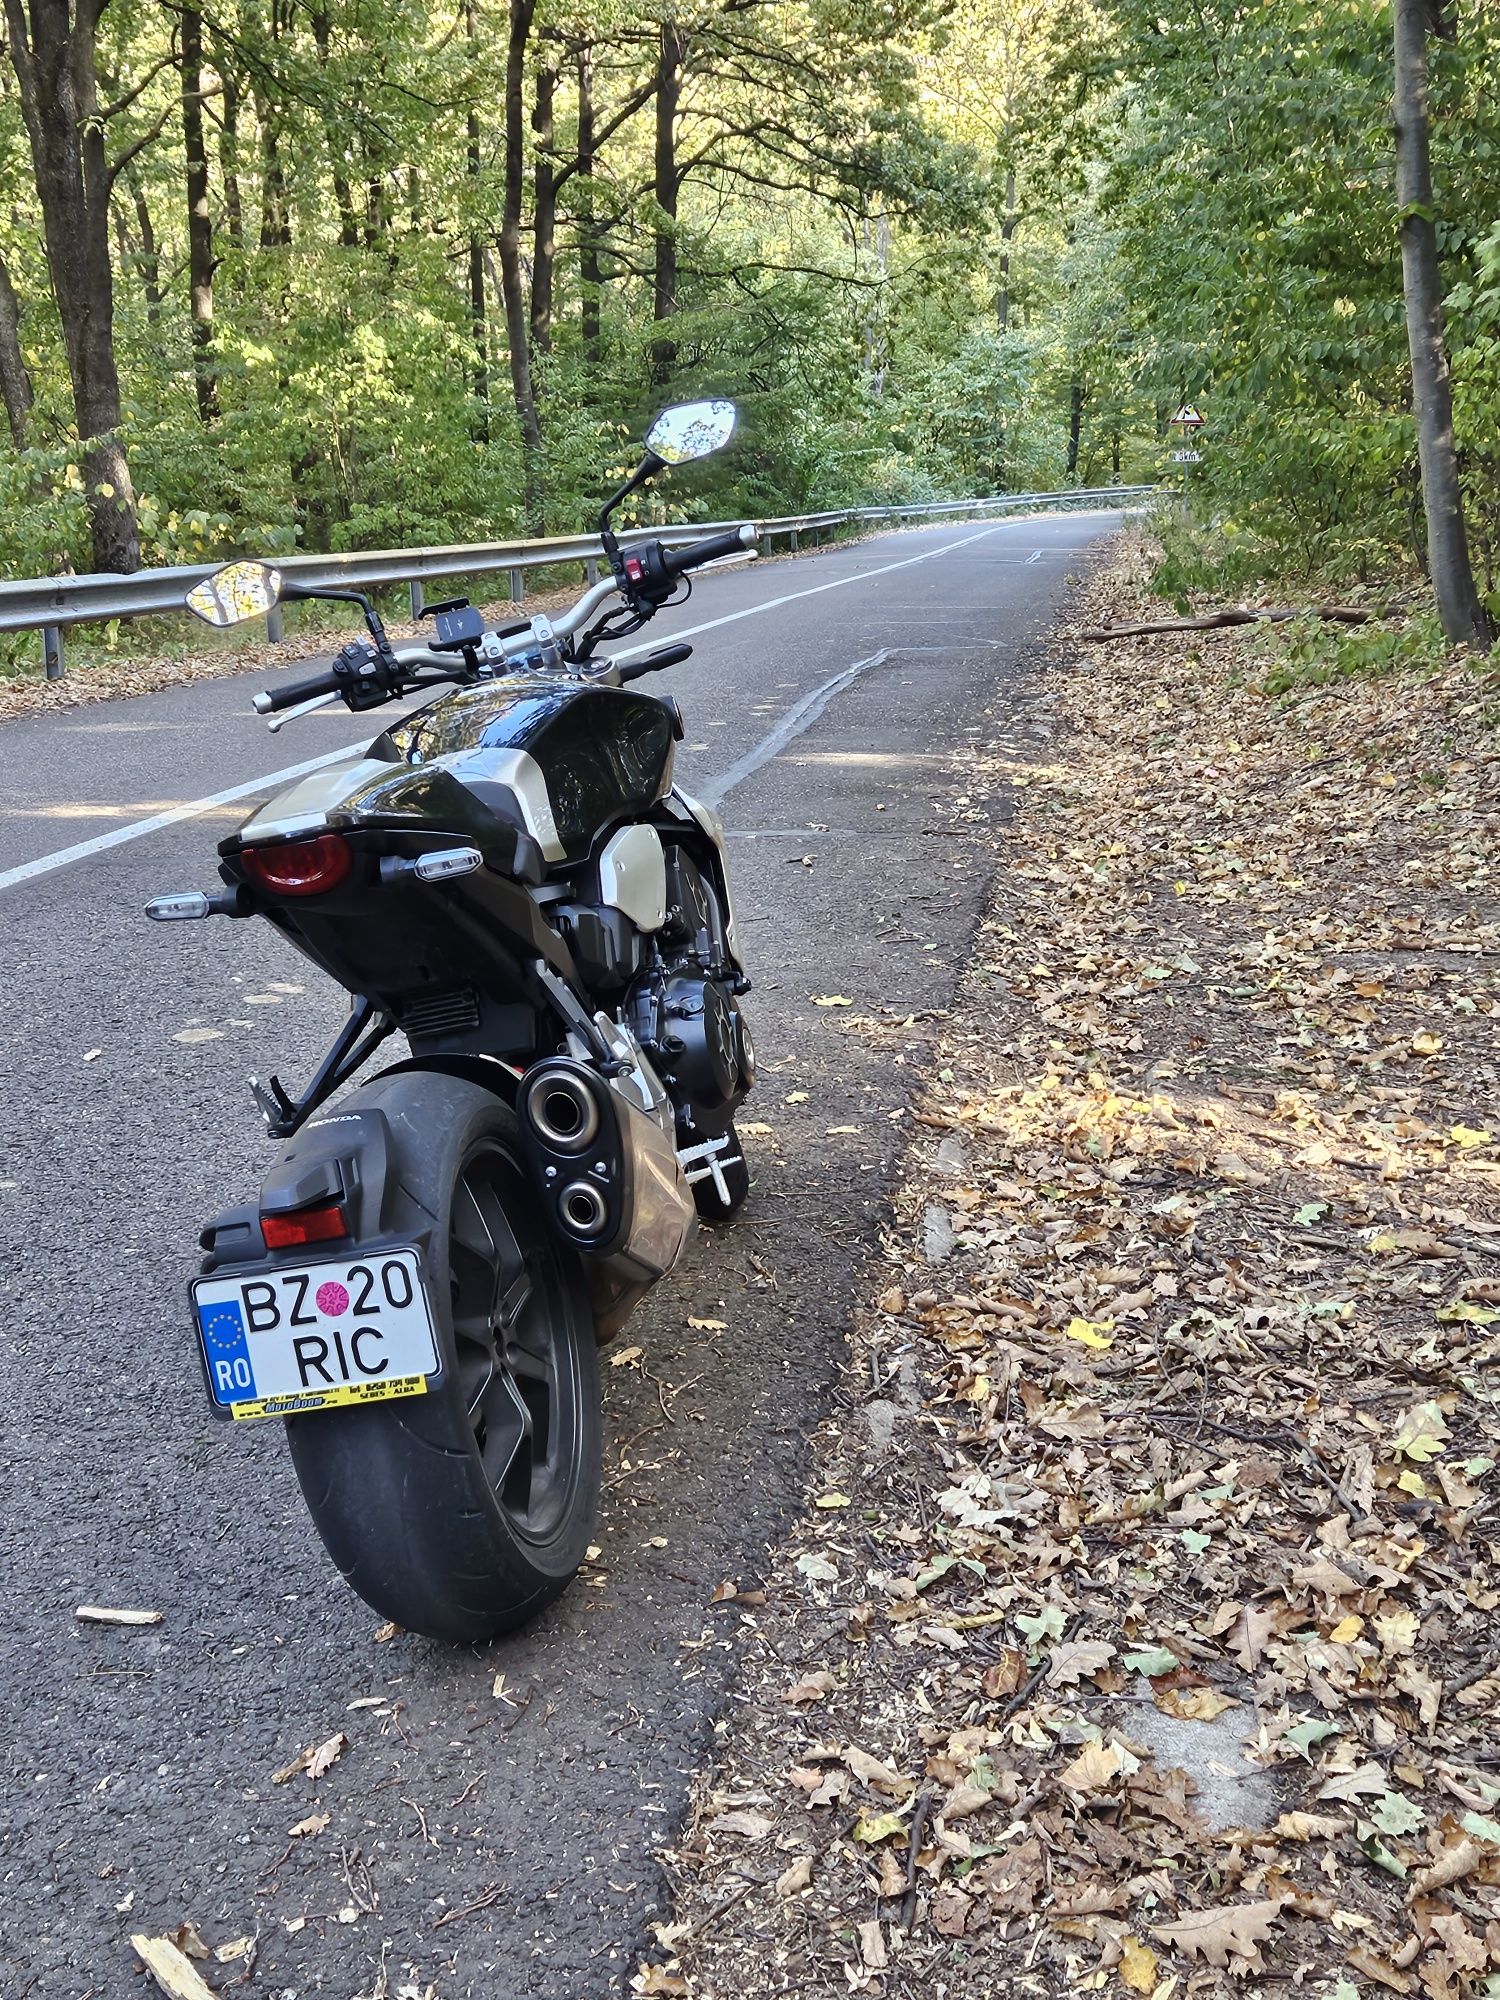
(492, 1825)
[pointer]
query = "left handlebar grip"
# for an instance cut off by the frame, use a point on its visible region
(270, 700)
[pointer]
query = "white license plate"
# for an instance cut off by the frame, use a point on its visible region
(316, 1336)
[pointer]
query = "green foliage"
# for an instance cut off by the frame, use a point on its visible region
(886, 243)
(1314, 652)
(1252, 189)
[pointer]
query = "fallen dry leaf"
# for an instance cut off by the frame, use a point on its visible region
(1219, 1937)
(748, 1825)
(870, 1771)
(798, 1876)
(171, 1969)
(1137, 1966)
(1093, 1769)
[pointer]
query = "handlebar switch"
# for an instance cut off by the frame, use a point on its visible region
(364, 679)
(647, 577)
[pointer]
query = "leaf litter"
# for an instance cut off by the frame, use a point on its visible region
(1195, 1419)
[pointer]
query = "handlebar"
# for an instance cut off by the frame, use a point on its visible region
(733, 542)
(269, 700)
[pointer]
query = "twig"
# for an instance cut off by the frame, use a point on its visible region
(1033, 1681)
(1343, 614)
(722, 1910)
(913, 1846)
(1486, 1667)
(489, 1898)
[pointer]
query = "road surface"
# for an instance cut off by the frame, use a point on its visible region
(491, 1828)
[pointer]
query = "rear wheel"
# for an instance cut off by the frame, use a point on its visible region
(463, 1512)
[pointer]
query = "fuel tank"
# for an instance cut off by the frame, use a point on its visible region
(575, 757)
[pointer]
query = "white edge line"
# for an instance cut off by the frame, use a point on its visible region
(117, 837)
(815, 590)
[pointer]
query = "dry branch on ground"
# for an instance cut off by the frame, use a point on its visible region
(1142, 1636)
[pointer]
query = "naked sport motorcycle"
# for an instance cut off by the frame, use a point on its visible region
(508, 878)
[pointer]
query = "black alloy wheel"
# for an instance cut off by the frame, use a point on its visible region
(462, 1512)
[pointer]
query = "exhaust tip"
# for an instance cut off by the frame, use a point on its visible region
(582, 1209)
(562, 1112)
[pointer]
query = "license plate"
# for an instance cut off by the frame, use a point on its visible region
(317, 1336)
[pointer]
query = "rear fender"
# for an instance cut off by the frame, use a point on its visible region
(341, 1155)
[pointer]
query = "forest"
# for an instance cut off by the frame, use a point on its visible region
(322, 274)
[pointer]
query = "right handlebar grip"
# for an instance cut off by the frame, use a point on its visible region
(735, 542)
(270, 700)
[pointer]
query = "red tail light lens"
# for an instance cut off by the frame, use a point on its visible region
(303, 1225)
(299, 867)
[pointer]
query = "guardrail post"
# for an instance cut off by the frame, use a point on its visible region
(591, 572)
(52, 652)
(275, 625)
(418, 599)
(517, 585)
(791, 540)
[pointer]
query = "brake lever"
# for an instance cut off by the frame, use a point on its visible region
(278, 722)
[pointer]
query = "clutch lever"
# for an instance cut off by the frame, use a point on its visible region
(275, 722)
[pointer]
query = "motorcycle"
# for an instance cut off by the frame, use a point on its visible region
(509, 878)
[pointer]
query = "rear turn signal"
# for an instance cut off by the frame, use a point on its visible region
(299, 867)
(304, 1225)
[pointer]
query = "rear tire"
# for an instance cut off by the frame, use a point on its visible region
(461, 1513)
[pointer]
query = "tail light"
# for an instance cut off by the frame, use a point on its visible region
(304, 1225)
(299, 867)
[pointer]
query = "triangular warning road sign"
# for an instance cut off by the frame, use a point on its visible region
(1189, 416)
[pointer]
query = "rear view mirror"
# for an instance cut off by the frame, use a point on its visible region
(238, 591)
(691, 430)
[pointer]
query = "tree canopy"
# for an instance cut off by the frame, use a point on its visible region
(335, 273)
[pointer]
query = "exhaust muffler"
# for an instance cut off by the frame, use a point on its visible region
(561, 1108)
(610, 1179)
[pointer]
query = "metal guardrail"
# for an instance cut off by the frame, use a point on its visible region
(50, 605)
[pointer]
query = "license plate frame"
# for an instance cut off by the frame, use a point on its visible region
(335, 1333)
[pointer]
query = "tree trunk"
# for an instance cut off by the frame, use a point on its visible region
(343, 194)
(229, 160)
(53, 56)
(1075, 423)
(200, 217)
(149, 257)
(590, 278)
(1007, 231)
(275, 218)
(1462, 616)
(479, 329)
(544, 225)
(275, 204)
(876, 234)
(511, 282)
(667, 187)
(15, 379)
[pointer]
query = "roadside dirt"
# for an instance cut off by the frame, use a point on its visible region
(1140, 1635)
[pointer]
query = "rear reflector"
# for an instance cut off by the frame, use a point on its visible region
(299, 867)
(303, 1225)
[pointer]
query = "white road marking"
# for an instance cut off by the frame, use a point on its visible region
(808, 709)
(1035, 556)
(138, 829)
(815, 590)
